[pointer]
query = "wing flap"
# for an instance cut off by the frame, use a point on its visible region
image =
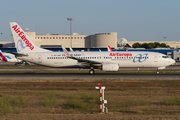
(85, 60)
(90, 62)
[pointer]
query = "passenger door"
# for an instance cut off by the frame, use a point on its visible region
(39, 59)
(155, 58)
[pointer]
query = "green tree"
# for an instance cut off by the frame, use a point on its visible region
(151, 45)
(136, 45)
(164, 45)
(157, 45)
(144, 45)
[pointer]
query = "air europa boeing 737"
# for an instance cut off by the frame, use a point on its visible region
(106, 61)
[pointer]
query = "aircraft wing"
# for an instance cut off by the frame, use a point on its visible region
(18, 54)
(85, 60)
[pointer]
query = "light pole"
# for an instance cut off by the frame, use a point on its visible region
(164, 38)
(12, 37)
(70, 19)
(2, 37)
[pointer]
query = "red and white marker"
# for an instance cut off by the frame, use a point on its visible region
(102, 101)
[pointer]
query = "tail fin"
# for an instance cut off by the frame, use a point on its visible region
(22, 42)
(3, 57)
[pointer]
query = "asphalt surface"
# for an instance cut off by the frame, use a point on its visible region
(86, 76)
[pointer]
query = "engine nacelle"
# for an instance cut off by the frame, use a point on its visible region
(110, 67)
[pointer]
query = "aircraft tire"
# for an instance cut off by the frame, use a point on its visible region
(91, 72)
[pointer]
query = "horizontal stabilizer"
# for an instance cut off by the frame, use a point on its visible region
(18, 54)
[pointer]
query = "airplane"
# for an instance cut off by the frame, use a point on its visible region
(7, 57)
(105, 61)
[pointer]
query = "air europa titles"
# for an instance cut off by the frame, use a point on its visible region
(120, 54)
(23, 37)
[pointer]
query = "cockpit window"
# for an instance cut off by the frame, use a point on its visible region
(165, 56)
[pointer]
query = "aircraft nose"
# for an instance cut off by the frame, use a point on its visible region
(171, 61)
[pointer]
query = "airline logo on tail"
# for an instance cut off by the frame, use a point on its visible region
(23, 37)
(2, 57)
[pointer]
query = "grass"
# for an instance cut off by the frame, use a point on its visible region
(12, 104)
(175, 100)
(124, 97)
(85, 102)
(74, 102)
(49, 99)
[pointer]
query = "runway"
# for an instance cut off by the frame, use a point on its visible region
(66, 75)
(86, 76)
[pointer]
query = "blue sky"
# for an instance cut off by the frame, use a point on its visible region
(135, 20)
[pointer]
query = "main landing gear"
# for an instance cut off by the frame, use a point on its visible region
(91, 72)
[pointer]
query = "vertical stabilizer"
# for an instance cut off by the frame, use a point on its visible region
(23, 43)
(3, 57)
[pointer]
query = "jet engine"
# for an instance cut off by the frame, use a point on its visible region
(110, 67)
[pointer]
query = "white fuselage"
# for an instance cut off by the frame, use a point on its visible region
(124, 59)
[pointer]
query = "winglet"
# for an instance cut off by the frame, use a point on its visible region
(71, 49)
(109, 48)
(65, 51)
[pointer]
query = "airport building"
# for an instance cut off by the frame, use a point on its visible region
(101, 40)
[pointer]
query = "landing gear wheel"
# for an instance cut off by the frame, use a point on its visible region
(91, 72)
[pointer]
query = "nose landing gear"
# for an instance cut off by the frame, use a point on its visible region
(91, 72)
(157, 72)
